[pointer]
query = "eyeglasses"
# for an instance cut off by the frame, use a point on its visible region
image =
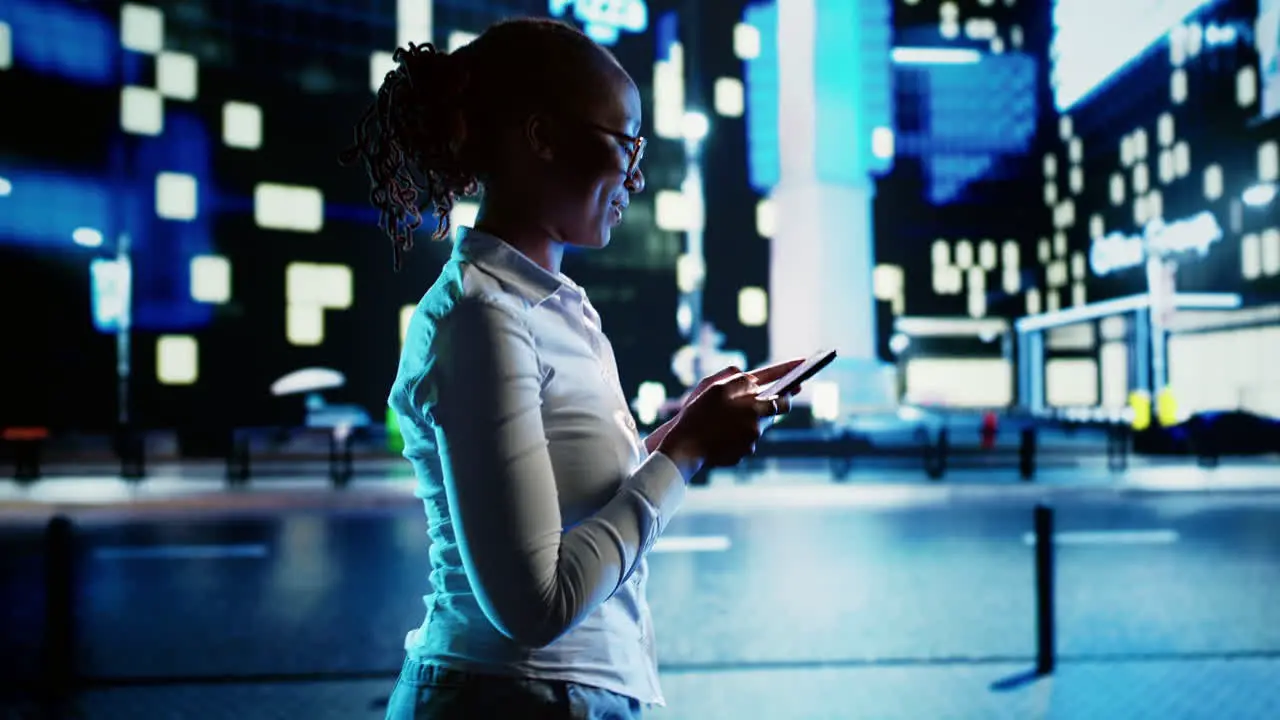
(634, 145)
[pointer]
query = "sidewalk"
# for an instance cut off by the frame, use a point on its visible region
(1193, 689)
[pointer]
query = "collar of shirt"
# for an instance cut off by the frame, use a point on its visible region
(526, 278)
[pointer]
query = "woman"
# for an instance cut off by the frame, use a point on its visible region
(541, 498)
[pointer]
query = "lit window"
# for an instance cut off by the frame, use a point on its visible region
(1011, 280)
(288, 207)
(977, 303)
(1059, 244)
(380, 63)
(1044, 251)
(1077, 179)
(1010, 255)
(1077, 265)
(672, 211)
(1141, 178)
(210, 279)
(1126, 150)
(1117, 189)
(940, 253)
(304, 325)
(87, 237)
(176, 195)
(1015, 36)
(177, 76)
(976, 280)
(1140, 144)
(987, 255)
(668, 94)
(1270, 241)
(1182, 159)
(753, 306)
(326, 286)
(1178, 86)
(964, 254)
(1064, 127)
(1097, 227)
(1165, 130)
(1050, 165)
(746, 41)
(1165, 167)
(882, 143)
(1033, 302)
(458, 38)
(141, 111)
(177, 360)
(242, 125)
(406, 316)
(728, 94)
(824, 400)
(1251, 257)
(1050, 193)
(1269, 161)
(1155, 205)
(464, 215)
(887, 281)
(690, 272)
(6, 46)
(766, 218)
(1140, 210)
(1051, 301)
(1078, 297)
(141, 28)
(1246, 86)
(1075, 150)
(1213, 182)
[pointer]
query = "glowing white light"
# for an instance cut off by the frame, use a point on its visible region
(1117, 252)
(87, 237)
(695, 126)
(935, 56)
(242, 125)
(1259, 195)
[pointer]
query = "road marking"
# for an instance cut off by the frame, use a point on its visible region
(692, 543)
(180, 552)
(1109, 537)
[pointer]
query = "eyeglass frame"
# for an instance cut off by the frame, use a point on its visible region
(636, 143)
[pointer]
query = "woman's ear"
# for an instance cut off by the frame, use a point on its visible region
(538, 136)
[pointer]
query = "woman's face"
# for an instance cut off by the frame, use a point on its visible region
(597, 165)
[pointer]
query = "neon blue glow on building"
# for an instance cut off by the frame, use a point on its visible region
(853, 84)
(43, 208)
(972, 115)
(56, 38)
(603, 20)
(162, 249)
(762, 86)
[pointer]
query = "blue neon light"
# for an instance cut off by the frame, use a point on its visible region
(853, 87)
(602, 20)
(1094, 40)
(46, 208)
(57, 38)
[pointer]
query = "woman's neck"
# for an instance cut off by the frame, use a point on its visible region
(531, 237)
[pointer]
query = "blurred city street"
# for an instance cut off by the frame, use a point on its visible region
(785, 598)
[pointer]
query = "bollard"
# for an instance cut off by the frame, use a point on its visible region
(935, 455)
(1045, 631)
(341, 464)
(238, 467)
(1027, 453)
(1117, 448)
(59, 633)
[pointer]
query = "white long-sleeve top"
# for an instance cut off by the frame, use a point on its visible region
(541, 499)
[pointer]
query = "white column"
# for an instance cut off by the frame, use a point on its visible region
(820, 283)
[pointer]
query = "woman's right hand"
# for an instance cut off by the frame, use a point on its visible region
(721, 425)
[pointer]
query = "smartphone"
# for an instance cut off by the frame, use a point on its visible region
(805, 370)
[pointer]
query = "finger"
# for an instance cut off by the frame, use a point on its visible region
(740, 384)
(769, 373)
(779, 405)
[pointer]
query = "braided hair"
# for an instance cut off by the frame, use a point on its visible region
(430, 136)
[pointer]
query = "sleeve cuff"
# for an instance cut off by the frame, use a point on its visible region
(661, 483)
